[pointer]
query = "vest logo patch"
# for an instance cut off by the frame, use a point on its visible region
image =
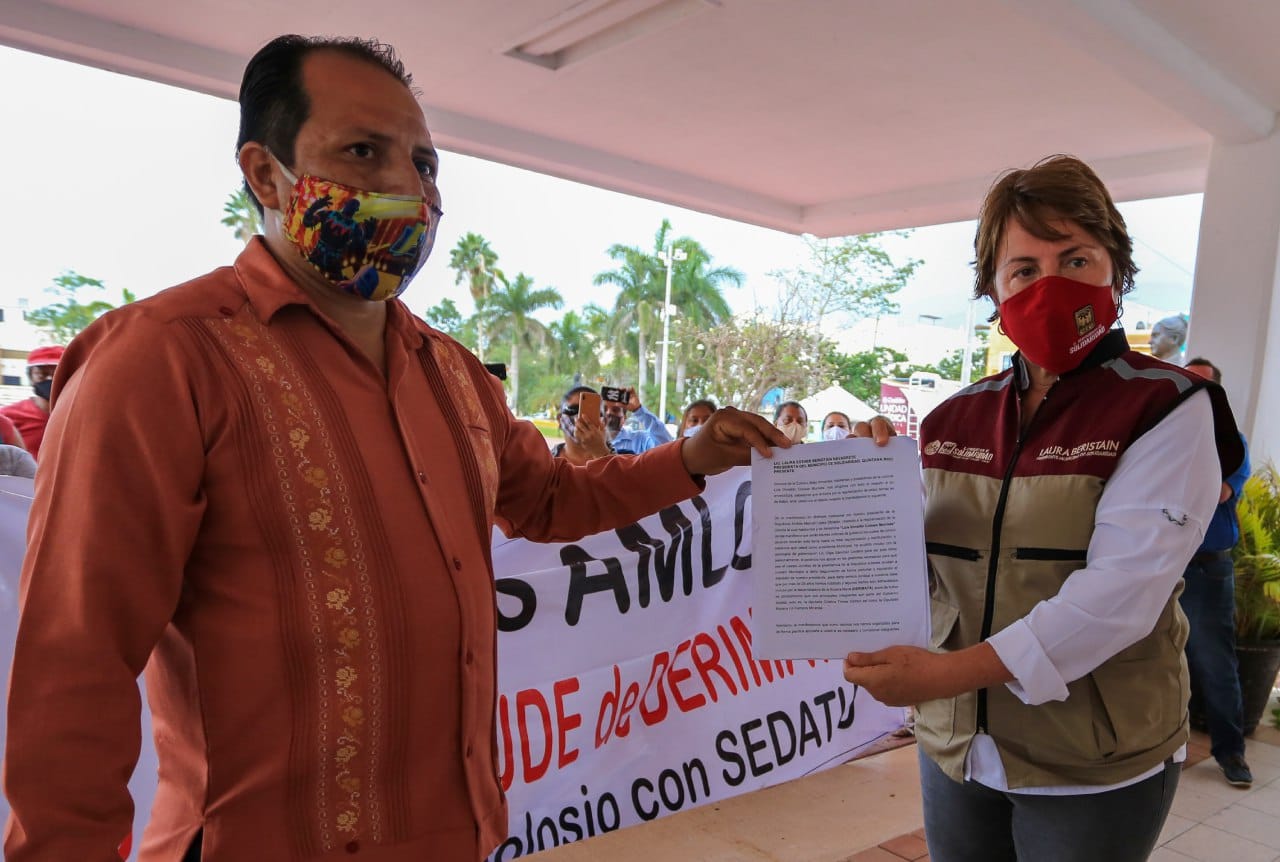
(1101, 448)
(1084, 319)
(951, 449)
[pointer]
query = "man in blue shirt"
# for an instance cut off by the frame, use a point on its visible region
(1209, 603)
(651, 432)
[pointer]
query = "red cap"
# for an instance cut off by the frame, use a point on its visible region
(45, 356)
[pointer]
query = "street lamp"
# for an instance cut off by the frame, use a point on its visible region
(669, 256)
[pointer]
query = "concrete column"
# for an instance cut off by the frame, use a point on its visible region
(1235, 304)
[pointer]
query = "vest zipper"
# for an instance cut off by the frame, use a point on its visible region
(989, 603)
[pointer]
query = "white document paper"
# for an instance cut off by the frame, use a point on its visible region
(838, 540)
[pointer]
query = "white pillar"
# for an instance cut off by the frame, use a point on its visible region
(1235, 306)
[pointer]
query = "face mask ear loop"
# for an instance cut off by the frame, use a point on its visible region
(288, 174)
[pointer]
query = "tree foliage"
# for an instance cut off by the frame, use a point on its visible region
(1257, 557)
(509, 312)
(239, 214)
(951, 366)
(697, 292)
(475, 263)
(853, 277)
(713, 353)
(67, 318)
(445, 317)
(860, 373)
(747, 357)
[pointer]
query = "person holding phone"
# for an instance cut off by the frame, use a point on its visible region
(1063, 499)
(651, 431)
(585, 438)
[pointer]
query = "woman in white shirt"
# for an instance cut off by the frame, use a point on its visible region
(1064, 497)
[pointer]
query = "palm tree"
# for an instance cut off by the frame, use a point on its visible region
(241, 215)
(575, 346)
(696, 290)
(641, 289)
(508, 311)
(474, 261)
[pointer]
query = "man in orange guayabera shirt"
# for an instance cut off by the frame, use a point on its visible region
(277, 485)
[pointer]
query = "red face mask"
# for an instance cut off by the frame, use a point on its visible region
(1056, 321)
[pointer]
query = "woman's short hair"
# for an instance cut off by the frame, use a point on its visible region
(1059, 187)
(847, 420)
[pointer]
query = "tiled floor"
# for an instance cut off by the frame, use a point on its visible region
(1215, 822)
(869, 811)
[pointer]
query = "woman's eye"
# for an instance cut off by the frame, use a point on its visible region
(361, 151)
(1077, 263)
(425, 169)
(1024, 272)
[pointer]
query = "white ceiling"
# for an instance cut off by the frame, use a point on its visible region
(819, 116)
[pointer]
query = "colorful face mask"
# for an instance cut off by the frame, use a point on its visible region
(366, 244)
(1055, 321)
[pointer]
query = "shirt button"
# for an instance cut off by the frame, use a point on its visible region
(469, 657)
(457, 564)
(469, 749)
(422, 477)
(353, 846)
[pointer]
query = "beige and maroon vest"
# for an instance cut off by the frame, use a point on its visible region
(1008, 518)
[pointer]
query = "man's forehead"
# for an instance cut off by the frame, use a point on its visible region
(353, 93)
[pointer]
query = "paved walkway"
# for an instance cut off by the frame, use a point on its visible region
(869, 811)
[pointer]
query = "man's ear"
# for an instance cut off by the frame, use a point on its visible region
(259, 172)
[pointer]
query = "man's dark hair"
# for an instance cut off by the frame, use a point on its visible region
(273, 102)
(1200, 360)
(785, 404)
(574, 391)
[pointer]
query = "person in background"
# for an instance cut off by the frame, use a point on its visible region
(791, 419)
(836, 426)
(31, 415)
(1209, 602)
(275, 488)
(695, 416)
(16, 461)
(1063, 498)
(627, 441)
(9, 435)
(585, 437)
(1167, 338)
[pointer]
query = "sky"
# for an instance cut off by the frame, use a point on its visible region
(124, 180)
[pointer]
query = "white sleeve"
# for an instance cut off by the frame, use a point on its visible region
(1150, 519)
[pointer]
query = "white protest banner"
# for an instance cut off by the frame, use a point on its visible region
(627, 686)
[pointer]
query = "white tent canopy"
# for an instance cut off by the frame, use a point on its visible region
(836, 398)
